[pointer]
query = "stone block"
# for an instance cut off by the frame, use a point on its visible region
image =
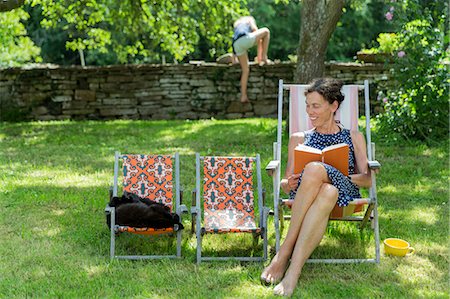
(119, 101)
(187, 115)
(201, 82)
(40, 110)
(43, 87)
(85, 95)
(233, 115)
(94, 86)
(264, 109)
(96, 80)
(117, 111)
(78, 111)
(207, 89)
(119, 78)
(62, 98)
(66, 86)
(206, 96)
(108, 86)
(58, 76)
(46, 117)
(78, 104)
(176, 96)
(238, 107)
(150, 100)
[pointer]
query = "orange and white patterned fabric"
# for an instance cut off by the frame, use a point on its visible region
(145, 230)
(228, 195)
(149, 176)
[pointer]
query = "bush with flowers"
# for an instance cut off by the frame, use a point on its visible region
(416, 105)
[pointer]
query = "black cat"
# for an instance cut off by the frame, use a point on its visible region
(134, 211)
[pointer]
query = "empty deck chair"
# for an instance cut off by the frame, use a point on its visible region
(347, 114)
(151, 177)
(226, 201)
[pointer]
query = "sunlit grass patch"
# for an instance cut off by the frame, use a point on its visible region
(54, 180)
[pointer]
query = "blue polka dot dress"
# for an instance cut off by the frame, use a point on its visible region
(347, 190)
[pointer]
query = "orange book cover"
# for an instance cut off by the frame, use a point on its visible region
(334, 155)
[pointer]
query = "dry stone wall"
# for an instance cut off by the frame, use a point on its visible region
(184, 91)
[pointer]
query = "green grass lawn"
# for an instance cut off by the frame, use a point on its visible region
(54, 186)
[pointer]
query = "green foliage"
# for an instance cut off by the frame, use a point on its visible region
(416, 107)
(142, 30)
(387, 44)
(283, 20)
(357, 28)
(15, 47)
(360, 23)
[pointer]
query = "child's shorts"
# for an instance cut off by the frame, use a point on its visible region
(242, 44)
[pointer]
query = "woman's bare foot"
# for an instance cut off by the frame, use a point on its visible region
(286, 287)
(275, 271)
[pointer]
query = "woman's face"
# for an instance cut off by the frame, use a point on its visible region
(319, 110)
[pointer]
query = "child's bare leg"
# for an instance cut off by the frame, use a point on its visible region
(263, 39)
(243, 61)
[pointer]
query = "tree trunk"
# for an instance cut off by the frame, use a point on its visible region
(7, 5)
(318, 21)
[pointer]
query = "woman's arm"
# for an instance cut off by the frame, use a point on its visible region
(362, 176)
(290, 179)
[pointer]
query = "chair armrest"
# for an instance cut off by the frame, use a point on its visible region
(374, 165)
(181, 195)
(108, 209)
(194, 209)
(272, 166)
(183, 209)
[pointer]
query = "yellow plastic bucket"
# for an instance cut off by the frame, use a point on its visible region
(397, 247)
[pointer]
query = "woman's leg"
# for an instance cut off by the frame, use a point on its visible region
(311, 233)
(243, 61)
(313, 177)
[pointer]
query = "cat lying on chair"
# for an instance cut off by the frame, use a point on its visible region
(134, 211)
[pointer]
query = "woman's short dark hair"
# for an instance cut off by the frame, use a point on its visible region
(329, 88)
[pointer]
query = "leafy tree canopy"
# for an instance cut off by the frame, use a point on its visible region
(15, 47)
(141, 29)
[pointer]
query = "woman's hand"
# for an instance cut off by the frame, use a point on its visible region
(290, 183)
(293, 181)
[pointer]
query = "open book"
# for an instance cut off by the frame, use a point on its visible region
(334, 155)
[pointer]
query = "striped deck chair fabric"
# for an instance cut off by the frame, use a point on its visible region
(347, 115)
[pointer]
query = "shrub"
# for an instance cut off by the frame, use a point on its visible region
(416, 106)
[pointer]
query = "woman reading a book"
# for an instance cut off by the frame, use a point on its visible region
(319, 186)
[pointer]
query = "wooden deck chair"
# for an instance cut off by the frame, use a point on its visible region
(347, 114)
(227, 200)
(151, 177)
